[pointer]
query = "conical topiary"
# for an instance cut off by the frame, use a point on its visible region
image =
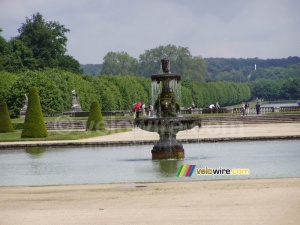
(95, 120)
(34, 125)
(5, 122)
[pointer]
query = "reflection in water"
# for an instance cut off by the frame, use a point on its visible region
(168, 167)
(36, 166)
(35, 152)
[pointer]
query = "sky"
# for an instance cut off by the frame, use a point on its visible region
(208, 28)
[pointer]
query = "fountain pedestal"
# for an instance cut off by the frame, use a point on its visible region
(167, 146)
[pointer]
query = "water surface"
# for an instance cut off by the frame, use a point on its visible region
(91, 165)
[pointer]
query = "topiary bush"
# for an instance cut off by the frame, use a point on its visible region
(95, 120)
(5, 122)
(34, 125)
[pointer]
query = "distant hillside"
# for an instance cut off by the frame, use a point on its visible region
(92, 69)
(215, 66)
(227, 69)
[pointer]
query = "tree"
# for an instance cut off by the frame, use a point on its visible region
(7, 80)
(47, 42)
(68, 63)
(5, 122)
(92, 69)
(291, 88)
(5, 52)
(119, 63)
(34, 125)
(95, 120)
(266, 88)
(150, 60)
(186, 97)
(182, 62)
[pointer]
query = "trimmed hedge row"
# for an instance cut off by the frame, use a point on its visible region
(112, 92)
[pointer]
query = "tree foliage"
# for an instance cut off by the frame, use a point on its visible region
(46, 40)
(119, 63)
(92, 69)
(39, 45)
(278, 89)
(121, 92)
(182, 62)
(50, 96)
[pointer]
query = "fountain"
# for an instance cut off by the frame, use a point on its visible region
(166, 95)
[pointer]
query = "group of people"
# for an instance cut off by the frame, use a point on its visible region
(246, 108)
(213, 107)
(138, 108)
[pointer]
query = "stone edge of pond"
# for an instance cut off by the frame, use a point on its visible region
(4, 146)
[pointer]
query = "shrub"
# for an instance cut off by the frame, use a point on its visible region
(5, 122)
(34, 125)
(18, 126)
(95, 120)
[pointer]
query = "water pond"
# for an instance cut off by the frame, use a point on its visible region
(93, 165)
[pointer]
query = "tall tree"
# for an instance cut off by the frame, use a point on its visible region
(47, 42)
(5, 51)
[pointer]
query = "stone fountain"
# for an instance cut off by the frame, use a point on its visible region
(166, 95)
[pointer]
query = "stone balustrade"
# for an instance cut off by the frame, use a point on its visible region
(251, 111)
(289, 108)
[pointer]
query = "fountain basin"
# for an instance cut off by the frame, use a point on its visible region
(167, 146)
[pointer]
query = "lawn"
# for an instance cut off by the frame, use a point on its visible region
(68, 118)
(60, 135)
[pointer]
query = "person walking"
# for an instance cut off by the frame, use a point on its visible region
(144, 110)
(217, 106)
(193, 105)
(247, 108)
(243, 108)
(257, 106)
(211, 108)
(150, 110)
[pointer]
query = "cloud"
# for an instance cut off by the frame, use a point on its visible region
(215, 28)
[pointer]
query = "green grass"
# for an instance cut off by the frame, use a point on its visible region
(67, 118)
(60, 135)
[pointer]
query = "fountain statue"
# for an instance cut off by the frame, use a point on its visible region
(166, 95)
(25, 106)
(76, 107)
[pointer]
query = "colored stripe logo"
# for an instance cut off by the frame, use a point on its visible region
(185, 170)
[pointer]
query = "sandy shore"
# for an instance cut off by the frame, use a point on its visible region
(262, 201)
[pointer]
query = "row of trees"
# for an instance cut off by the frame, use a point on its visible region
(195, 67)
(182, 62)
(113, 92)
(278, 89)
(218, 67)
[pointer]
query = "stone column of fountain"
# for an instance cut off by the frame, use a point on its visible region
(165, 98)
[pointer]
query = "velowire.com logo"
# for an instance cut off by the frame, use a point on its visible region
(187, 171)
